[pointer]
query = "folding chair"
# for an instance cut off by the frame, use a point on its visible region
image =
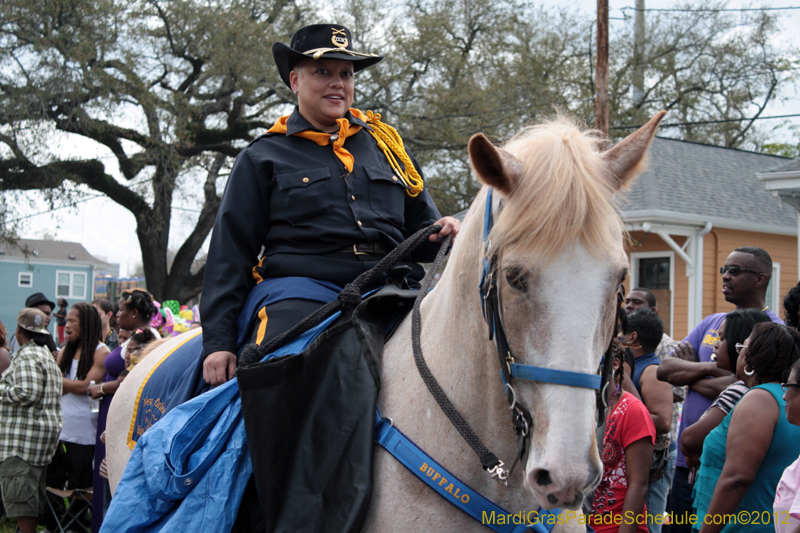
(69, 518)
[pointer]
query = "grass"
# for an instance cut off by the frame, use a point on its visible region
(9, 525)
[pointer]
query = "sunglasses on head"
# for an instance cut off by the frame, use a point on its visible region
(734, 270)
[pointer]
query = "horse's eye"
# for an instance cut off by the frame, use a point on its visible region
(517, 278)
(623, 276)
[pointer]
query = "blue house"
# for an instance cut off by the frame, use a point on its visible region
(56, 269)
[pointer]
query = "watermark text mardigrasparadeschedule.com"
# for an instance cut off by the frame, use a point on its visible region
(533, 518)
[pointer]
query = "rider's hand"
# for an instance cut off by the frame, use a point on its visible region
(219, 367)
(449, 225)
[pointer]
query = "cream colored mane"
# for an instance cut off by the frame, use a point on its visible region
(565, 196)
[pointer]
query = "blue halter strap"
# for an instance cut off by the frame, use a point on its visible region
(455, 491)
(437, 477)
(490, 302)
(509, 368)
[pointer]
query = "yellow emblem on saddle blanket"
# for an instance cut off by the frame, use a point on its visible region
(157, 389)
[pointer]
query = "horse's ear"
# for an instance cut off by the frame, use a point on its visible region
(626, 159)
(495, 167)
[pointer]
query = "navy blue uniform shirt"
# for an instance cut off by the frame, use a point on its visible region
(296, 199)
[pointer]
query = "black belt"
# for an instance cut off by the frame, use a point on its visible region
(375, 248)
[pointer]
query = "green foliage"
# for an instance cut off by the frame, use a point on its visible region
(713, 71)
(791, 149)
(174, 89)
(457, 67)
(783, 149)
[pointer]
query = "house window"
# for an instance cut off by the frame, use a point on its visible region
(25, 279)
(71, 285)
(654, 273)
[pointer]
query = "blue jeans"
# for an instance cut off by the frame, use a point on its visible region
(657, 493)
(681, 501)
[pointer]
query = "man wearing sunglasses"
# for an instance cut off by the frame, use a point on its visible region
(745, 277)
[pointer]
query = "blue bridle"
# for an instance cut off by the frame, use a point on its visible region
(428, 470)
(492, 313)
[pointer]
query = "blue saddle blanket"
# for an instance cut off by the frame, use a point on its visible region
(173, 478)
(178, 377)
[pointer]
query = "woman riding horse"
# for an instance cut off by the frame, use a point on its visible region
(545, 221)
(322, 193)
(325, 193)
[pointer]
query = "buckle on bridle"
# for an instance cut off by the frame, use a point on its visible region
(512, 402)
(497, 471)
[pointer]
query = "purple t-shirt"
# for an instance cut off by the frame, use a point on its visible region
(703, 337)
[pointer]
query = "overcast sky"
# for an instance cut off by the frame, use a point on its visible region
(107, 231)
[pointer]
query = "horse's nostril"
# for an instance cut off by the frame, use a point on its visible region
(543, 478)
(551, 498)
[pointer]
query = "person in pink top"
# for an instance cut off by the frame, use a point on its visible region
(619, 500)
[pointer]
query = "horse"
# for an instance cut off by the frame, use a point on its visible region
(557, 245)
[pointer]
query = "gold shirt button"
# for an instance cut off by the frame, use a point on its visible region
(353, 198)
(359, 223)
(305, 180)
(394, 178)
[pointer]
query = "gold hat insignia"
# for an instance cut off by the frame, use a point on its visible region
(339, 38)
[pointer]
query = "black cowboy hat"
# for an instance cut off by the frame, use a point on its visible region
(319, 41)
(38, 298)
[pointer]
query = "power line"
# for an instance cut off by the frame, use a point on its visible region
(703, 10)
(93, 197)
(73, 204)
(701, 122)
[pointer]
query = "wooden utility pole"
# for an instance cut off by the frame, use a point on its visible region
(638, 55)
(601, 98)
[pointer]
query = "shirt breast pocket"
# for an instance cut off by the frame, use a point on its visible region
(305, 194)
(387, 195)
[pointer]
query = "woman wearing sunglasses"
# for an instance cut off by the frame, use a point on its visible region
(744, 457)
(733, 331)
(787, 497)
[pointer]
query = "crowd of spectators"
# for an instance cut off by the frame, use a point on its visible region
(54, 399)
(698, 431)
(737, 409)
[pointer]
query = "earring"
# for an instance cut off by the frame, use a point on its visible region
(714, 357)
(748, 372)
(134, 316)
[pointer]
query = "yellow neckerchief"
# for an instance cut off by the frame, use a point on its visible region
(389, 142)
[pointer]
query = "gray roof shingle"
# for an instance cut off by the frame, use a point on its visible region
(52, 250)
(720, 184)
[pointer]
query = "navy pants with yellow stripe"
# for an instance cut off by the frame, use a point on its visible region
(276, 318)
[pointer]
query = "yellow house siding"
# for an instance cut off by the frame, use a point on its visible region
(782, 249)
(717, 245)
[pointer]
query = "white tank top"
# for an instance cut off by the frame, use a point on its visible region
(80, 423)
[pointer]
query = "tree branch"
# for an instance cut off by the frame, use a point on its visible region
(188, 251)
